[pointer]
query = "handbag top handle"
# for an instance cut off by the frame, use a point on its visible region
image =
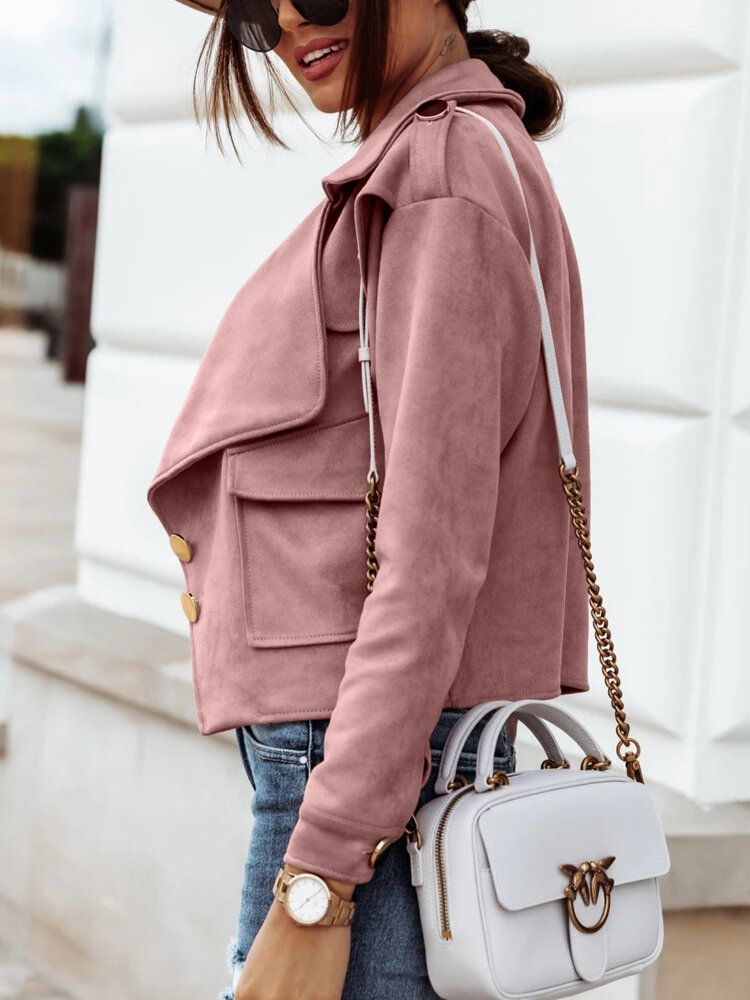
(628, 748)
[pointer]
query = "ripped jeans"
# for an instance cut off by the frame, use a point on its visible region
(387, 959)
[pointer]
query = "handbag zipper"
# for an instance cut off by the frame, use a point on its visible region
(445, 927)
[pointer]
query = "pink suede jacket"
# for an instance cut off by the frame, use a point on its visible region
(480, 592)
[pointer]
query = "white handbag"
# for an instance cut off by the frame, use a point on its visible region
(542, 883)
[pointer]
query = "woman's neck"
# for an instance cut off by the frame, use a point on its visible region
(449, 47)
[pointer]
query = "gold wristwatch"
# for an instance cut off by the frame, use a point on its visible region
(310, 901)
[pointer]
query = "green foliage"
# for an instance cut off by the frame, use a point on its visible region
(64, 158)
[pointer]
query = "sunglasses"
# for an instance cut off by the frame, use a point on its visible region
(255, 23)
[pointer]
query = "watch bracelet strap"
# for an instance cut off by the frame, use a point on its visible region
(340, 912)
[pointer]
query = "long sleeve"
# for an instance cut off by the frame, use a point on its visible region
(453, 291)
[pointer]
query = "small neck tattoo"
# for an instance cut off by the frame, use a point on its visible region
(449, 44)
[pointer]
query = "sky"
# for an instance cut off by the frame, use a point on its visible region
(50, 61)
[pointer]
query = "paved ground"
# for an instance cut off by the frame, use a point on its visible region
(19, 981)
(40, 418)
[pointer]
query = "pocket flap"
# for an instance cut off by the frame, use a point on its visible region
(529, 836)
(319, 463)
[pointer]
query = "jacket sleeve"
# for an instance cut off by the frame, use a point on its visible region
(453, 283)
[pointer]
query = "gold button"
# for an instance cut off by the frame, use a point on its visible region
(181, 548)
(189, 606)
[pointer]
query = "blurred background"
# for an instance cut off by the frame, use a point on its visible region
(123, 235)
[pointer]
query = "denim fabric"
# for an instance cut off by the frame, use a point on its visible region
(387, 954)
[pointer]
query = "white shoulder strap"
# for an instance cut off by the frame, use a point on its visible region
(564, 442)
(565, 445)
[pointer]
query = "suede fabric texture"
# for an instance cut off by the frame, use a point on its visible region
(480, 592)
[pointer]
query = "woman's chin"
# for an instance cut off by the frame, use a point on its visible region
(326, 99)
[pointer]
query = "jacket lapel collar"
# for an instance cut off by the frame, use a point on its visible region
(265, 368)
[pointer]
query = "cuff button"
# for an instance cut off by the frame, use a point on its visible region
(380, 847)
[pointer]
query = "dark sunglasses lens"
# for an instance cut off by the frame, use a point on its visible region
(254, 23)
(322, 11)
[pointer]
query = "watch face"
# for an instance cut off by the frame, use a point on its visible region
(307, 898)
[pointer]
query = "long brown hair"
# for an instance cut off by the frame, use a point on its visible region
(225, 87)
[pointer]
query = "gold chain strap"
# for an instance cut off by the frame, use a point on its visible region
(628, 748)
(372, 502)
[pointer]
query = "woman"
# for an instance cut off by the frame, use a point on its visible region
(340, 671)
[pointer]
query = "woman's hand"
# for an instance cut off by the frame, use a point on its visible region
(290, 962)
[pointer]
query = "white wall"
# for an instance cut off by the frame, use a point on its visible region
(653, 169)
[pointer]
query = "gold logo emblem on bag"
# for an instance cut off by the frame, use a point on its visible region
(587, 881)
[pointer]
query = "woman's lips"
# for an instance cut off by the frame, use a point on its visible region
(323, 66)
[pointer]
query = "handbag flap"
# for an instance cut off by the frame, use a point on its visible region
(529, 833)
(318, 463)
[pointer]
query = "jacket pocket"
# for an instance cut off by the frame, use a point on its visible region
(300, 511)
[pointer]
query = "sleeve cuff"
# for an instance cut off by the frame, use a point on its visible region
(333, 846)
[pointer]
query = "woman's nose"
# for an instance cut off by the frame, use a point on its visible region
(289, 16)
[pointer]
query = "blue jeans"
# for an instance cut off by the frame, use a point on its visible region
(387, 952)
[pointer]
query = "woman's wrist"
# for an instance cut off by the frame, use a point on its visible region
(343, 889)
